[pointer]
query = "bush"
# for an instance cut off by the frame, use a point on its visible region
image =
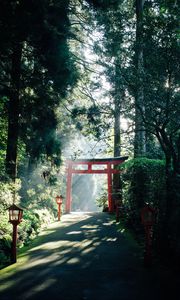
(102, 201)
(143, 182)
(5, 249)
(33, 222)
(6, 199)
(34, 219)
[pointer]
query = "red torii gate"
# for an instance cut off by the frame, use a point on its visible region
(72, 168)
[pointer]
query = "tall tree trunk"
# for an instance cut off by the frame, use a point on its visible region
(140, 136)
(13, 113)
(117, 140)
(117, 186)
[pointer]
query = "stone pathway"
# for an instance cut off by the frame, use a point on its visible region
(83, 257)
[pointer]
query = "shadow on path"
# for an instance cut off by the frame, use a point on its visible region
(83, 257)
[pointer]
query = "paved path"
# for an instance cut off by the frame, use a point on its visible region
(83, 257)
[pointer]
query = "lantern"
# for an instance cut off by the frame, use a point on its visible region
(15, 214)
(15, 217)
(59, 200)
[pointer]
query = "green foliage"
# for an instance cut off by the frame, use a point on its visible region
(33, 222)
(39, 210)
(5, 239)
(102, 201)
(143, 182)
(6, 199)
(7, 194)
(43, 72)
(3, 134)
(103, 4)
(40, 187)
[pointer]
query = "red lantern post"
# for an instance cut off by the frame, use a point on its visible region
(148, 219)
(59, 200)
(15, 217)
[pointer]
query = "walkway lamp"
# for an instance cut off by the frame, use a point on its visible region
(148, 219)
(59, 200)
(15, 217)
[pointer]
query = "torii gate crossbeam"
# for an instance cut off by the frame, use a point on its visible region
(73, 168)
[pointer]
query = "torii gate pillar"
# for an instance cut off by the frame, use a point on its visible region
(68, 190)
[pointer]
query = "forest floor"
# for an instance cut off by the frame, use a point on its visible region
(85, 257)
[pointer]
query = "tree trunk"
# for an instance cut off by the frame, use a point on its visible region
(140, 136)
(117, 140)
(13, 113)
(117, 186)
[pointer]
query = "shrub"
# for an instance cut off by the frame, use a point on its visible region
(102, 201)
(143, 182)
(32, 223)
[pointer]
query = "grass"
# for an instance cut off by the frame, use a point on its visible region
(22, 253)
